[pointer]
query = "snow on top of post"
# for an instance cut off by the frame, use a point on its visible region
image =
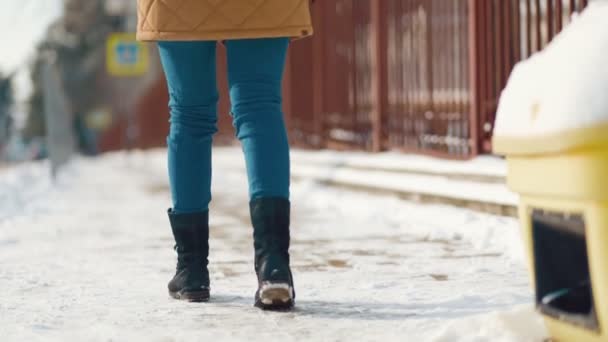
(563, 87)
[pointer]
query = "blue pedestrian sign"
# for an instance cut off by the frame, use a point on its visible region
(126, 57)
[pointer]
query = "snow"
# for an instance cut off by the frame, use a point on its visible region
(403, 174)
(483, 166)
(564, 86)
(495, 193)
(518, 324)
(88, 258)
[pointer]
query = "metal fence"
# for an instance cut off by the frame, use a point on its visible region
(329, 93)
(420, 76)
(503, 33)
(414, 75)
(428, 71)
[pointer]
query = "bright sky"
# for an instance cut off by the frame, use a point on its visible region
(22, 25)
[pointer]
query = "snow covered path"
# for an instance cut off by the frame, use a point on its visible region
(89, 258)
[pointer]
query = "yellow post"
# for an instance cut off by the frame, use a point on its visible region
(563, 185)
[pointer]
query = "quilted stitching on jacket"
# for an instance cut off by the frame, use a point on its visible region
(219, 15)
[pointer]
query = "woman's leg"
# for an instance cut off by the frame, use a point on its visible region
(190, 71)
(255, 72)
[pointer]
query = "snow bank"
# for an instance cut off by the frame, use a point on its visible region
(563, 87)
(399, 173)
(483, 166)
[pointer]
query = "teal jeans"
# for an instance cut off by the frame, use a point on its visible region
(255, 72)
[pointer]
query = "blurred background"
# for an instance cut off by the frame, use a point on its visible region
(403, 221)
(407, 75)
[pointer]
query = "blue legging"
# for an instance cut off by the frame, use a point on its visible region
(255, 71)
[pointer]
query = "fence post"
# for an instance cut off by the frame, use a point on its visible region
(539, 28)
(318, 77)
(379, 72)
(474, 75)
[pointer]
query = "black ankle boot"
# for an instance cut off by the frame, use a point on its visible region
(191, 280)
(270, 219)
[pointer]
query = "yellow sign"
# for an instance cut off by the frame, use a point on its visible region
(99, 120)
(125, 56)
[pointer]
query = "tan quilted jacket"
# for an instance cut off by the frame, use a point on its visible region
(222, 19)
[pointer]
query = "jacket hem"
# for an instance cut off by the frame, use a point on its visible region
(293, 32)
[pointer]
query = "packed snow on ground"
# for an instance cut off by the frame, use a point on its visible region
(562, 87)
(88, 259)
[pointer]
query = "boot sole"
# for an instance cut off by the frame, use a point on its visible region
(192, 296)
(276, 297)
